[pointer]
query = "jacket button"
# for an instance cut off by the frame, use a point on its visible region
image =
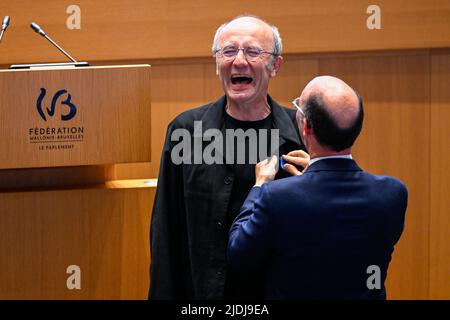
(227, 180)
(219, 225)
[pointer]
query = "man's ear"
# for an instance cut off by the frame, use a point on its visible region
(276, 66)
(307, 130)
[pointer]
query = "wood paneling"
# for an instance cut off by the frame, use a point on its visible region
(294, 74)
(104, 230)
(176, 88)
(148, 29)
(55, 177)
(440, 177)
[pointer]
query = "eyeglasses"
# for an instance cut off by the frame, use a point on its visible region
(252, 54)
(296, 103)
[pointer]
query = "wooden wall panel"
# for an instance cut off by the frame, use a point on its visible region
(148, 29)
(295, 73)
(395, 141)
(440, 177)
(176, 88)
(105, 231)
(55, 177)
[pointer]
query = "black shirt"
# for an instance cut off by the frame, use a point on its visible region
(241, 285)
(188, 229)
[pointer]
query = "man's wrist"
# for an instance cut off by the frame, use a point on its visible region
(260, 182)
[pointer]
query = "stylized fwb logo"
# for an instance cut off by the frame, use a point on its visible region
(64, 117)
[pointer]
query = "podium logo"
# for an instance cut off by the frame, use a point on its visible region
(72, 110)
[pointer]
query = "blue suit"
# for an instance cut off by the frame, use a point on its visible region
(317, 234)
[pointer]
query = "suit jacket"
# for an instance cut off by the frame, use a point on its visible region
(188, 235)
(320, 234)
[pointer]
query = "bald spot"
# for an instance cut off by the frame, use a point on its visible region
(248, 25)
(339, 98)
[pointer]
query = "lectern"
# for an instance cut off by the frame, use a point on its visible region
(68, 228)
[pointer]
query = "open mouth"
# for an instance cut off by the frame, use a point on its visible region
(241, 79)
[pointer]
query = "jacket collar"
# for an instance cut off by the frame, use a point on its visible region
(334, 164)
(284, 123)
(214, 117)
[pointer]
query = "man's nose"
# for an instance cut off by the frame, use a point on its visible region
(240, 57)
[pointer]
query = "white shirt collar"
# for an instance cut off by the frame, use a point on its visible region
(345, 156)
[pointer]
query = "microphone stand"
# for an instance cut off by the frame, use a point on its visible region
(74, 63)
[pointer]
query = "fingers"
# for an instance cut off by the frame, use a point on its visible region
(273, 160)
(295, 158)
(269, 162)
(289, 168)
(299, 161)
(298, 153)
(266, 170)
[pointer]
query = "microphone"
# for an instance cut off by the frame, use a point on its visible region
(39, 30)
(5, 25)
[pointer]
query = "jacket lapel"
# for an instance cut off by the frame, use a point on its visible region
(214, 116)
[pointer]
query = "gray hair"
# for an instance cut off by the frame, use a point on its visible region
(277, 44)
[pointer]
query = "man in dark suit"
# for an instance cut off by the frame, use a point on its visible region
(327, 232)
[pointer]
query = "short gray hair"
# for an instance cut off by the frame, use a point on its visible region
(277, 43)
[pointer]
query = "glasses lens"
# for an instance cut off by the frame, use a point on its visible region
(229, 52)
(252, 52)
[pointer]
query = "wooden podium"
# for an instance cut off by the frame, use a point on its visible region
(68, 228)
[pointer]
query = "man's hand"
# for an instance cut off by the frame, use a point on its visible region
(265, 170)
(297, 157)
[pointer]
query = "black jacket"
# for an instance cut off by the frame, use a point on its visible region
(188, 236)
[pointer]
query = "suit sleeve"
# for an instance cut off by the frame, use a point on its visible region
(403, 204)
(251, 233)
(164, 234)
